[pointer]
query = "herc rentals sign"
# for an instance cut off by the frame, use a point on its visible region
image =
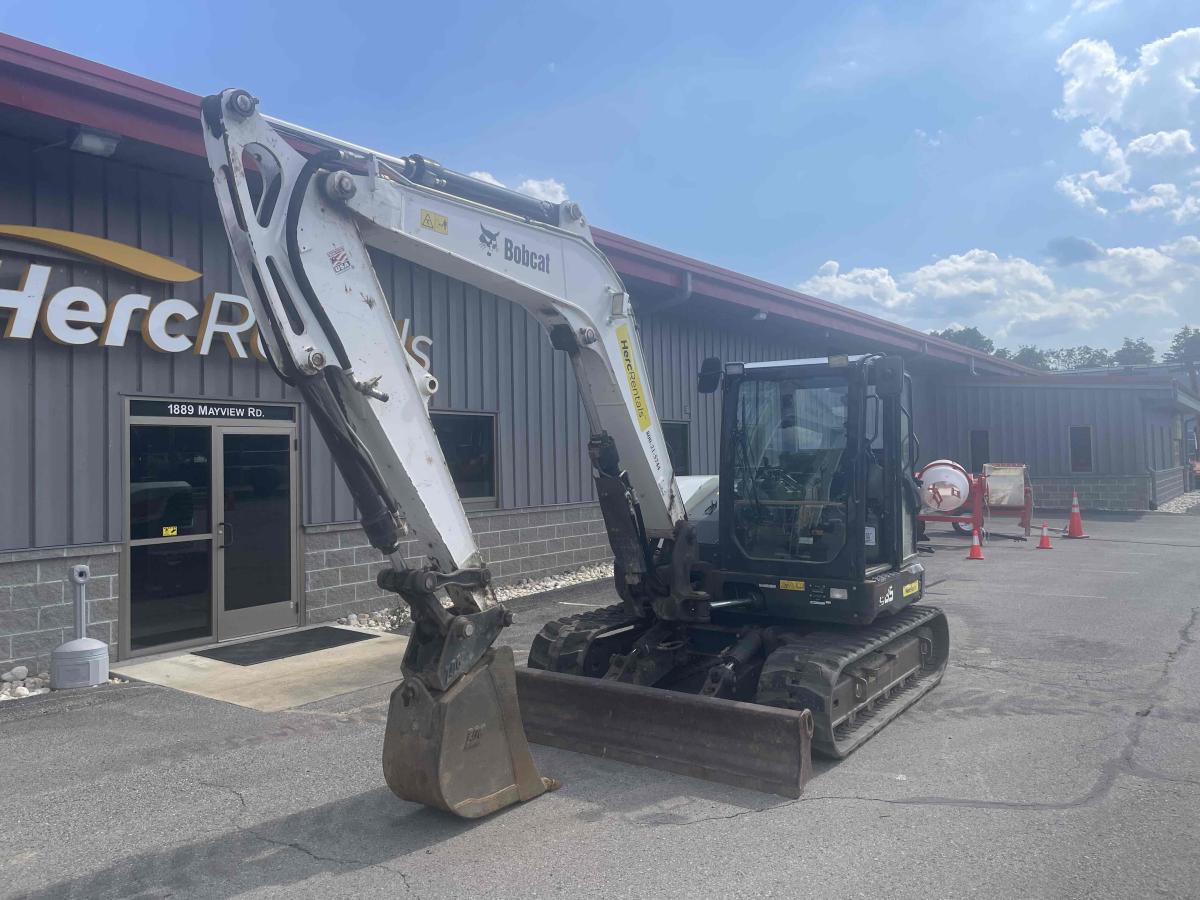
(78, 316)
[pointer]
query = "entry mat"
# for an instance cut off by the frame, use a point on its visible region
(280, 646)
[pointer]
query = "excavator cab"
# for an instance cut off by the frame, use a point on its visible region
(816, 503)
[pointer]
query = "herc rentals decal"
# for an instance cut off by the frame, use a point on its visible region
(634, 379)
(78, 315)
(641, 406)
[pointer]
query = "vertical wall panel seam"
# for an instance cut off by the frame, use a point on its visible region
(33, 358)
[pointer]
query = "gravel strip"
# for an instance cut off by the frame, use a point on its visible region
(17, 683)
(1182, 503)
(394, 619)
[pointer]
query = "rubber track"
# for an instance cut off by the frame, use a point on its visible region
(806, 668)
(562, 645)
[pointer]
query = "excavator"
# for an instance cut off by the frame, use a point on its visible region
(764, 612)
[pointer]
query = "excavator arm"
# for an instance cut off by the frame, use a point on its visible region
(300, 225)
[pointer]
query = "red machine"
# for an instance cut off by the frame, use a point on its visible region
(949, 493)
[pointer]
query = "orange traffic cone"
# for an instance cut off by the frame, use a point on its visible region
(1075, 523)
(976, 548)
(1044, 543)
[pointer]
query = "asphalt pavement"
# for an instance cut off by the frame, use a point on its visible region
(1059, 758)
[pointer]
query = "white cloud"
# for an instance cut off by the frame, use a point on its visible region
(544, 189)
(1187, 247)
(870, 290)
(1163, 143)
(1072, 186)
(1169, 199)
(1133, 266)
(549, 189)
(1014, 299)
(1141, 119)
(1079, 9)
(488, 177)
(929, 140)
(1157, 93)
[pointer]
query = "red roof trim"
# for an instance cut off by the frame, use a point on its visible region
(744, 290)
(61, 86)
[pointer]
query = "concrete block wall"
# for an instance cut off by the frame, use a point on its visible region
(1123, 493)
(1168, 484)
(37, 610)
(340, 566)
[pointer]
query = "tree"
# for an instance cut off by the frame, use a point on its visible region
(1134, 353)
(967, 337)
(1083, 357)
(1031, 356)
(1185, 346)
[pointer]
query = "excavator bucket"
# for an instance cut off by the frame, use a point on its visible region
(462, 750)
(744, 744)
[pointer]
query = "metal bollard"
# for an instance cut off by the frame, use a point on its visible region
(82, 662)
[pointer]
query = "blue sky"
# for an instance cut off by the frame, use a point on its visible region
(1029, 168)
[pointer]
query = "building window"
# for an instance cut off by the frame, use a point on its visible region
(981, 449)
(469, 444)
(678, 448)
(1081, 448)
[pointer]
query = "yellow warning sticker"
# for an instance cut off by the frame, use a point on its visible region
(640, 404)
(170, 531)
(911, 588)
(435, 222)
(785, 585)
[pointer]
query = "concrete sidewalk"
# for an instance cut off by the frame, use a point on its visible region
(1059, 758)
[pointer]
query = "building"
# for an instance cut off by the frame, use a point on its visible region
(1117, 438)
(143, 435)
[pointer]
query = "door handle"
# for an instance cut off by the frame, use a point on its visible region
(226, 535)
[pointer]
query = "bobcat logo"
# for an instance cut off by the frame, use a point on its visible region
(488, 239)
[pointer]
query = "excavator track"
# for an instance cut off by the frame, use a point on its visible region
(563, 645)
(855, 681)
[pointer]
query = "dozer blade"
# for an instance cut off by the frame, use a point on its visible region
(743, 744)
(463, 750)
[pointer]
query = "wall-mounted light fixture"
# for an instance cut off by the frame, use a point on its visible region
(760, 316)
(95, 141)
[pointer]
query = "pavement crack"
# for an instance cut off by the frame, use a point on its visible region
(1122, 763)
(296, 845)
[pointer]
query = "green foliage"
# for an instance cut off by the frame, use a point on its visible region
(1082, 357)
(1033, 357)
(1134, 353)
(1185, 346)
(967, 337)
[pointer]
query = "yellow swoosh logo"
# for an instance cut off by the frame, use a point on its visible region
(119, 256)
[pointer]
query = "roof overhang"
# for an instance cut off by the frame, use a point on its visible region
(57, 85)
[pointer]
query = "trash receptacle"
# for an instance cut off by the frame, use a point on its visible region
(82, 662)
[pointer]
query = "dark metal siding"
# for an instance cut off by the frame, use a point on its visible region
(674, 346)
(62, 407)
(1029, 424)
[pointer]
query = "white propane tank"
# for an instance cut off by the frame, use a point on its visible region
(945, 486)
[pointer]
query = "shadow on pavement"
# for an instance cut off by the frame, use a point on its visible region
(374, 830)
(364, 831)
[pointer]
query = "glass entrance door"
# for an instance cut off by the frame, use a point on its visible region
(170, 535)
(255, 528)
